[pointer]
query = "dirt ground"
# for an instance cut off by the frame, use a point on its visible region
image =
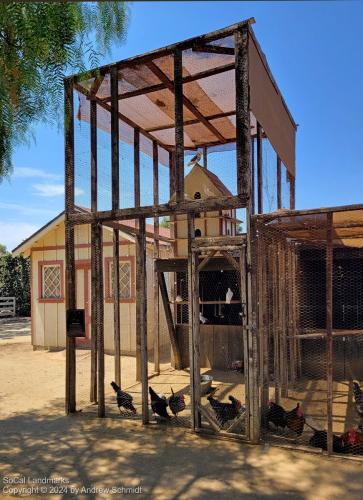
(38, 441)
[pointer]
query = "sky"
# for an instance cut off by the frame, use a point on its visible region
(314, 52)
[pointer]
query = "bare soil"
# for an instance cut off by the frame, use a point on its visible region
(38, 441)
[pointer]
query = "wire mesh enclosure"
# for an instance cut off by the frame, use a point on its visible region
(310, 327)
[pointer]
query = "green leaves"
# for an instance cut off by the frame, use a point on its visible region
(15, 281)
(39, 44)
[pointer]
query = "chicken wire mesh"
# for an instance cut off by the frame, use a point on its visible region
(221, 353)
(310, 381)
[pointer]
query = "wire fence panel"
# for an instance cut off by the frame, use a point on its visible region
(310, 326)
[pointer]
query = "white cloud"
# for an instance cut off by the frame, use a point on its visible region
(50, 190)
(13, 233)
(27, 172)
(26, 209)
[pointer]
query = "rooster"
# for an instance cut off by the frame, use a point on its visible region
(354, 440)
(124, 400)
(176, 403)
(358, 398)
(225, 411)
(159, 405)
(293, 420)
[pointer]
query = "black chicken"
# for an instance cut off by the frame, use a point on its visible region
(124, 399)
(293, 420)
(159, 405)
(319, 440)
(358, 398)
(225, 411)
(176, 403)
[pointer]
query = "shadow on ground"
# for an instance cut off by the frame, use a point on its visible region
(166, 463)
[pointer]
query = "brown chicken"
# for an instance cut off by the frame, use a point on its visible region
(354, 440)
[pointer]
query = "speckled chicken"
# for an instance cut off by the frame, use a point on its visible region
(124, 399)
(176, 403)
(225, 411)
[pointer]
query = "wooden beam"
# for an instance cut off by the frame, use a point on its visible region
(141, 319)
(193, 122)
(156, 318)
(253, 176)
(93, 138)
(182, 207)
(70, 383)
(121, 116)
(97, 246)
(218, 241)
(259, 170)
(115, 206)
(179, 127)
(214, 49)
(243, 130)
(206, 260)
(94, 316)
(231, 260)
(245, 333)
(161, 86)
(181, 264)
(170, 323)
(187, 102)
(329, 329)
(116, 303)
(136, 167)
(155, 54)
(205, 157)
(292, 191)
(278, 183)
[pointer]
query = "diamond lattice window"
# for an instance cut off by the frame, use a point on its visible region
(51, 282)
(125, 279)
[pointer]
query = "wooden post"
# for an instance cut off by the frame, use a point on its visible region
(262, 319)
(259, 170)
(156, 318)
(205, 157)
(98, 267)
(93, 137)
(292, 192)
(253, 173)
(70, 393)
(243, 292)
(241, 38)
(278, 183)
(137, 204)
(137, 167)
(329, 328)
(115, 206)
(179, 124)
(194, 321)
(282, 309)
(276, 320)
(141, 317)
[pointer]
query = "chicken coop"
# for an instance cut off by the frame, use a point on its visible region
(196, 139)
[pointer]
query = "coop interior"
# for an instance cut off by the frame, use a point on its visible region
(310, 320)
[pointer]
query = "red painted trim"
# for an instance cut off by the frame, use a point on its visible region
(108, 291)
(41, 264)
